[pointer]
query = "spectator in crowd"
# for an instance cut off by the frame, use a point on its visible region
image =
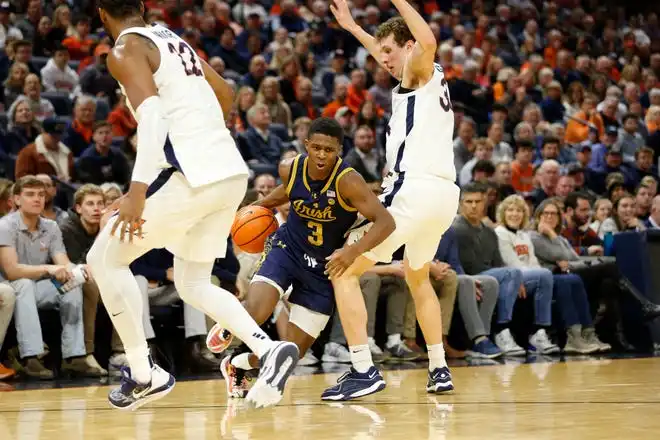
(300, 130)
(264, 184)
(111, 192)
(79, 231)
(154, 273)
(653, 222)
(552, 106)
(464, 144)
(502, 151)
(602, 211)
(51, 211)
(629, 138)
(79, 44)
(7, 300)
(7, 30)
(577, 214)
(623, 218)
(643, 198)
(41, 107)
(269, 95)
(32, 256)
(260, 147)
(6, 199)
(23, 130)
(522, 171)
(339, 98)
(56, 75)
(15, 82)
(79, 133)
(96, 80)
(565, 186)
(47, 155)
(483, 150)
(122, 120)
(517, 251)
(578, 127)
(28, 25)
(381, 91)
(476, 296)
(256, 73)
(366, 158)
(100, 162)
(548, 175)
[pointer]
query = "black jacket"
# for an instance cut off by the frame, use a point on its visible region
(76, 239)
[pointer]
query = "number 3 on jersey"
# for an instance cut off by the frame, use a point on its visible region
(189, 66)
(316, 235)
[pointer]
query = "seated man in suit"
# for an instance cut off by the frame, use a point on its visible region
(653, 221)
(260, 148)
(365, 158)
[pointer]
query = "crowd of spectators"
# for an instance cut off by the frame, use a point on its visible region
(556, 146)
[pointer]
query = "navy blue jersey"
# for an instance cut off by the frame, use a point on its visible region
(319, 217)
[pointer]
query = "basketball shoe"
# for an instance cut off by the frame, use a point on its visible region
(354, 384)
(235, 379)
(275, 367)
(131, 395)
(439, 381)
(218, 339)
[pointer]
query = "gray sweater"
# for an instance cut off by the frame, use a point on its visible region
(549, 251)
(478, 248)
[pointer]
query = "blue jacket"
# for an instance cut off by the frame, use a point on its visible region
(92, 167)
(448, 251)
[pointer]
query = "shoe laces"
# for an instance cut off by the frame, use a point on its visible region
(345, 376)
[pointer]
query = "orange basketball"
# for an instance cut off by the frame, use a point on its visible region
(251, 228)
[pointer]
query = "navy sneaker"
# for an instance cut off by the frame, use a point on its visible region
(131, 395)
(439, 381)
(353, 384)
(484, 349)
(275, 368)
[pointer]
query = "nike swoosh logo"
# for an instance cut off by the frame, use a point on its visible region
(373, 374)
(117, 314)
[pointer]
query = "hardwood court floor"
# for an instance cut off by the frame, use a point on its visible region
(590, 399)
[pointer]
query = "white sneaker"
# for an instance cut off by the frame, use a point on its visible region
(276, 367)
(333, 352)
(91, 362)
(377, 354)
(131, 395)
(505, 342)
(308, 359)
(540, 343)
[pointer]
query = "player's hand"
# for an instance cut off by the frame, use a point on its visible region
(339, 261)
(129, 221)
(342, 13)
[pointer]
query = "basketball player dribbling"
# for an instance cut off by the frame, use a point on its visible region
(419, 192)
(187, 183)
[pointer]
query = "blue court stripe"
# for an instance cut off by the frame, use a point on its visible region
(410, 121)
(160, 181)
(170, 156)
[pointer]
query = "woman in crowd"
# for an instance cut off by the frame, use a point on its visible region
(269, 94)
(623, 217)
(602, 211)
(15, 82)
(517, 251)
(555, 252)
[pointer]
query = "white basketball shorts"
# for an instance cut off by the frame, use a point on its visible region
(192, 223)
(423, 209)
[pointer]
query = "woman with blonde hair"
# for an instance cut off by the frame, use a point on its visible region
(269, 94)
(517, 251)
(652, 118)
(556, 253)
(62, 23)
(602, 211)
(245, 98)
(15, 82)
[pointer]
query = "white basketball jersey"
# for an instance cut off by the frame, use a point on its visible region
(199, 144)
(420, 132)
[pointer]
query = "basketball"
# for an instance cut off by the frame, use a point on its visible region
(253, 224)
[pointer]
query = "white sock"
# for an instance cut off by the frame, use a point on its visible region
(436, 356)
(393, 340)
(361, 358)
(123, 300)
(242, 361)
(193, 282)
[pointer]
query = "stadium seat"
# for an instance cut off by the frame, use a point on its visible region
(39, 62)
(74, 65)
(60, 101)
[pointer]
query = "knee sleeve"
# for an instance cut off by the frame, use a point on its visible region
(307, 320)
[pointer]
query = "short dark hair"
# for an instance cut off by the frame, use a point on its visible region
(397, 27)
(59, 47)
(524, 144)
(21, 43)
(473, 188)
(328, 127)
(28, 181)
(100, 124)
(81, 19)
(572, 199)
(628, 116)
(550, 140)
(121, 8)
(485, 166)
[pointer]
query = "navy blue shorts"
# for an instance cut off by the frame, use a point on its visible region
(282, 266)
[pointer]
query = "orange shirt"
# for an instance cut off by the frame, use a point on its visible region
(522, 177)
(550, 56)
(332, 107)
(78, 49)
(577, 132)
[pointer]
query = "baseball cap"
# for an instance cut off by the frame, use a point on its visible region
(53, 126)
(343, 111)
(611, 130)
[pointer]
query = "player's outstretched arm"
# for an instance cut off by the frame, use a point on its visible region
(423, 55)
(279, 195)
(223, 91)
(342, 13)
(357, 193)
